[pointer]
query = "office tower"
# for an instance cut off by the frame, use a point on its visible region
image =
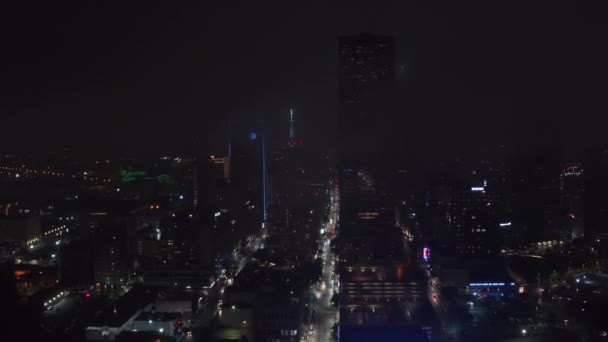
(247, 153)
(475, 220)
(535, 195)
(464, 208)
(294, 200)
(438, 208)
(376, 278)
(572, 188)
(363, 200)
(595, 199)
(366, 71)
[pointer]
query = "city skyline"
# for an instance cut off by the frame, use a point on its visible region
(303, 172)
(124, 78)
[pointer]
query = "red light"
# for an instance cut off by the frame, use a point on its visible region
(301, 142)
(87, 295)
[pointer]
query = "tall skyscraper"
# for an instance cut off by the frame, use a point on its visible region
(534, 181)
(572, 196)
(366, 65)
(595, 199)
(475, 220)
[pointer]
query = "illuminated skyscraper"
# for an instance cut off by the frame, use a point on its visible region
(475, 220)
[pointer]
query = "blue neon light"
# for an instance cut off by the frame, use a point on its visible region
(490, 284)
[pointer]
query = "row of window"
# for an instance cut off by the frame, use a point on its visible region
(289, 332)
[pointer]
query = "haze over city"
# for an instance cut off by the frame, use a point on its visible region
(282, 171)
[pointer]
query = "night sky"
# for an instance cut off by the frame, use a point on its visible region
(143, 78)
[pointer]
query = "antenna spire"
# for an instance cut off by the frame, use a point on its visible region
(292, 130)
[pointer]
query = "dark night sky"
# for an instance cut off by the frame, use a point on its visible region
(145, 78)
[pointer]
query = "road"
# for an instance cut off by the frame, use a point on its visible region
(325, 314)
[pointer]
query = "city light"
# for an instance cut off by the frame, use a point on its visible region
(381, 189)
(426, 254)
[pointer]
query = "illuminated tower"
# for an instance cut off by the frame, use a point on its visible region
(292, 131)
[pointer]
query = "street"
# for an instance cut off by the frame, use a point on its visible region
(325, 314)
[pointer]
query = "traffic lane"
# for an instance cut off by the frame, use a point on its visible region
(324, 312)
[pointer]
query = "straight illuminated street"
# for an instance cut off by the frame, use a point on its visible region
(325, 314)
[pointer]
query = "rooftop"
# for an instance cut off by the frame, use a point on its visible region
(158, 316)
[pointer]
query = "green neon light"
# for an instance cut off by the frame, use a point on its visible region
(164, 178)
(129, 176)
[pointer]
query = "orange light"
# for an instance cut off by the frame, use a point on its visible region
(20, 273)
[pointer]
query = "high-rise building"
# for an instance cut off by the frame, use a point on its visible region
(534, 181)
(376, 278)
(363, 200)
(475, 220)
(366, 71)
(465, 211)
(596, 188)
(247, 153)
(295, 208)
(438, 208)
(572, 188)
